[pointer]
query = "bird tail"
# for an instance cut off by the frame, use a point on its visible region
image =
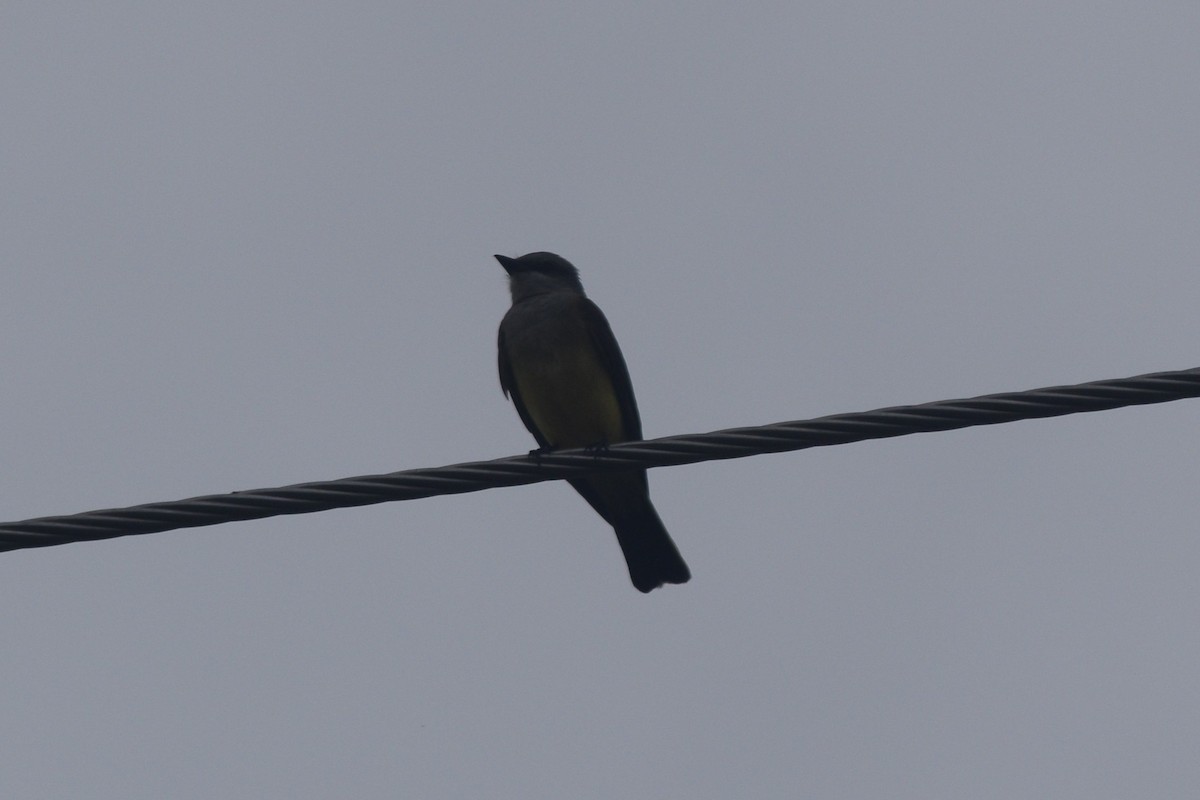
(649, 552)
(623, 499)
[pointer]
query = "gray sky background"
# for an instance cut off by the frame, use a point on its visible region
(249, 244)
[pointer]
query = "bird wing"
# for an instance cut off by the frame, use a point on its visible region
(614, 364)
(509, 384)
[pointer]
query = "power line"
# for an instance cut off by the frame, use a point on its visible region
(304, 498)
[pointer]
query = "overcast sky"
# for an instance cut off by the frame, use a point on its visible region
(249, 244)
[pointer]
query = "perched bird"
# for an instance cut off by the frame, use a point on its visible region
(561, 365)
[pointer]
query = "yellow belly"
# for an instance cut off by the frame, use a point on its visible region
(571, 401)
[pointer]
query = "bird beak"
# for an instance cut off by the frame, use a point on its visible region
(507, 263)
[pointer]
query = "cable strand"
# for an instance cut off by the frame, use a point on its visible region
(306, 498)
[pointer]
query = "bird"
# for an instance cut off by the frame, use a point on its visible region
(563, 370)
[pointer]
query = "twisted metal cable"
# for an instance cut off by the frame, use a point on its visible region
(993, 409)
